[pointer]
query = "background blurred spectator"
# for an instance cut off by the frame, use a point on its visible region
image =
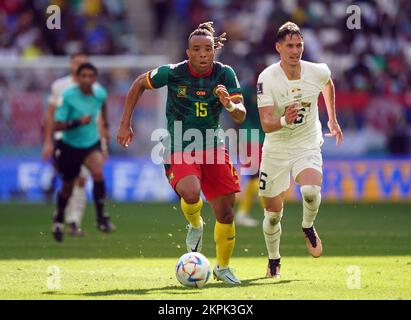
(370, 67)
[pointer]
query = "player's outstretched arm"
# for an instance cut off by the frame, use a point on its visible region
(270, 124)
(125, 132)
(233, 105)
(103, 123)
(329, 98)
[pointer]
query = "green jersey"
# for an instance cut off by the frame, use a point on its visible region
(192, 102)
(73, 105)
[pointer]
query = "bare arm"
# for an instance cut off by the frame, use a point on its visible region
(48, 124)
(48, 132)
(125, 133)
(104, 122)
(329, 98)
(239, 112)
(269, 123)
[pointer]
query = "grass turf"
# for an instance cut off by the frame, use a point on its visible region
(137, 262)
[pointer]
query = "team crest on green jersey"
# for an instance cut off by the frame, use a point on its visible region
(181, 91)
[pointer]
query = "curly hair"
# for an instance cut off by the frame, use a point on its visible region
(206, 29)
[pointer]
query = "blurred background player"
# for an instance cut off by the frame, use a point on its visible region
(198, 90)
(249, 194)
(288, 94)
(77, 204)
(76, 115)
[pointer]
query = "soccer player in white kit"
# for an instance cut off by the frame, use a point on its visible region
(77, 203)
(287, 95)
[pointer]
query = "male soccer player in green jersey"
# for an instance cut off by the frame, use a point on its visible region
(199, 89)
(76, 115)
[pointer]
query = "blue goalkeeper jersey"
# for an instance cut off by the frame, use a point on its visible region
(74, 104)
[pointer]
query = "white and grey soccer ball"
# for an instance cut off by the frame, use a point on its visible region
(193, 270)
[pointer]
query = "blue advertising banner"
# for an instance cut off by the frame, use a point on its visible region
(126, 180)
(140, 180)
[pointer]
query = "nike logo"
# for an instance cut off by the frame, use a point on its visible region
(230, 279)
(196, 247)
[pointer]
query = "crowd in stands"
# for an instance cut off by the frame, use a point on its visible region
(96, 26)
(371, 66)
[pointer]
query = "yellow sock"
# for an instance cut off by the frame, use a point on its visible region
(247, 199)
(192, 212)
(224, 237)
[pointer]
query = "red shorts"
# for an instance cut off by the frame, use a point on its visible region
(216, 178)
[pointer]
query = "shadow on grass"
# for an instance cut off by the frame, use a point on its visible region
(176, 289)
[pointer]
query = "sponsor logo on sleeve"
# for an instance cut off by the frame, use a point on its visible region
(260, 88)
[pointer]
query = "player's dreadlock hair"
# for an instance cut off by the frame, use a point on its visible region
(206, 29)
(288, 28)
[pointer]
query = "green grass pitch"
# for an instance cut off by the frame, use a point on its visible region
(367, 255)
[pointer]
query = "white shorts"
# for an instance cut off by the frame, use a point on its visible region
(275, 172)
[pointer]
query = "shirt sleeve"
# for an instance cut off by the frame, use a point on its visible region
(62, 109)
(231, 83)
(324, 74)
(264, 96)
(158, 77)
(53, 98)
(100, 92)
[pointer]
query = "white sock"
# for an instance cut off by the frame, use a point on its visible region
(76, 205)
(311, 203)
(272, 233)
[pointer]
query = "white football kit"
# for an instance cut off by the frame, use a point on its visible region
(296, 146)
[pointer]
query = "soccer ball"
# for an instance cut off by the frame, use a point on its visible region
(193, 270)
